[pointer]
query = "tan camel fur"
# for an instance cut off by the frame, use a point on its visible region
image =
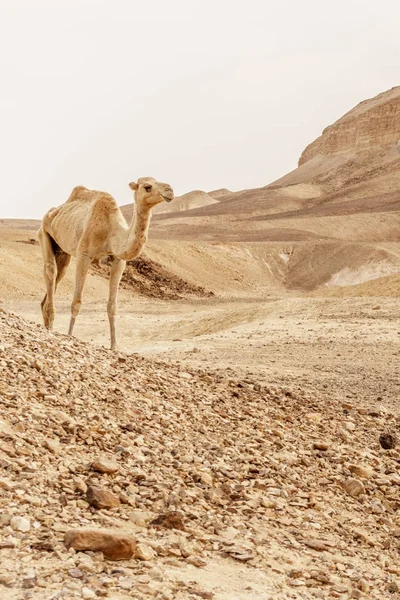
(90, 226)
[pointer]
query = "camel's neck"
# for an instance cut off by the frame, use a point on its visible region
(135, 237)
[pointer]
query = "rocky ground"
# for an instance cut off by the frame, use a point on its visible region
(202, 485)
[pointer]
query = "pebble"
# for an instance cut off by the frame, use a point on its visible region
(144, 552)
(170, 520)
(321, 445)
(103, 464)
(88, 593)
(354, 487)
(20, 524)
(196, 561)
(388, 441)
(99, 497)
(53, 446)
(363, 471)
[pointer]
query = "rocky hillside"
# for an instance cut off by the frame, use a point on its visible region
(359, 155)
(201, 485)
(372, 124)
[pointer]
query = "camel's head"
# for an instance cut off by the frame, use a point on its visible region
(149, 192)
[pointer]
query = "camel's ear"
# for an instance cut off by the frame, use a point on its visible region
(134, 186)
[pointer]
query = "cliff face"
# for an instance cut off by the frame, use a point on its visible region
(372, 124)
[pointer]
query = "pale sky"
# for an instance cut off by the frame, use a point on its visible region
(201, 94)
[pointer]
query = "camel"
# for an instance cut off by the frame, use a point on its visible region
(90, 226)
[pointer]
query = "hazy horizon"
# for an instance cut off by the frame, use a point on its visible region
(202, 96)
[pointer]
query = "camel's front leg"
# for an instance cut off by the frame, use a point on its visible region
(82, 266)
(117, 268)
(49, 273)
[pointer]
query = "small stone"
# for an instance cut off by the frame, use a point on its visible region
(205, 478)
(363, 585)
(144, 552)
(186, 548)
(29, 582)
(170, 520)
(53, 446)
(321, 445)
(340, 589)
(76, 573)
(113, 544)
(5, 518)
(196, 561)
(320, 576)
(20, 524)
(349, 425)
(240, 553)
(105, 465)
(295, 574)
(393, 588)
(80, 486)
(87, 593)
(126, 583)
(5, 427)
(354, 487)
(363, 471)
(319, 545)
(388, 441)
(6, 484)
(141, 517)
(344, 434)
(7, 579)
(315, 417)
(101, 498)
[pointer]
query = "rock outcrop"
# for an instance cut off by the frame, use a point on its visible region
(372, 124)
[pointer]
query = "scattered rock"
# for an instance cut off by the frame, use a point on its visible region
(101, 498)
(354, 487)
(103, 464)
(114, 545)
(20, 524)
(53, 446)
(196, 474)
(141, 517)
(76, 573)
(393, 588)
(144, 552)
(319, 545)
(196, 561)
(88, 593)
(388, 441)
(363, 471)
(321, 445)
(170, 520)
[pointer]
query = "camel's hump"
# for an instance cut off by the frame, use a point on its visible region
(83, 194)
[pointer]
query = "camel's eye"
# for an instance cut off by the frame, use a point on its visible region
(147, 188)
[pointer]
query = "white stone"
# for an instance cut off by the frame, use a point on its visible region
(20, 524)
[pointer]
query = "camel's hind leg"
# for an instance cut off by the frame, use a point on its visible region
(49, 274)
(62, 261)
